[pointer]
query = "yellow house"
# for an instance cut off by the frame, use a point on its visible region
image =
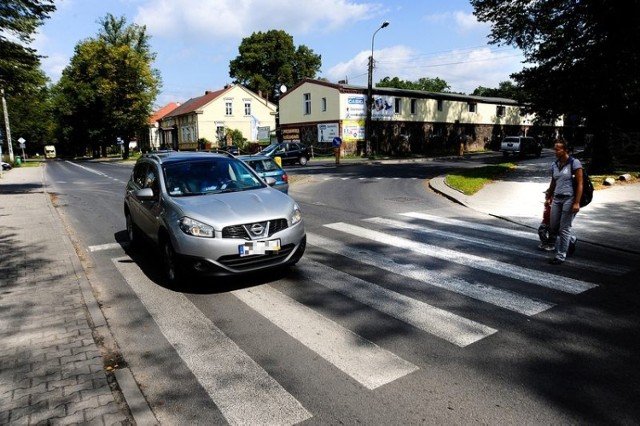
(314, 112)
(202, 122)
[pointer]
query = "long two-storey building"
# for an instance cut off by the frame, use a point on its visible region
(403, 121)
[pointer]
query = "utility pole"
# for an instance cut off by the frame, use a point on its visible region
(7, 127)
(369, 104)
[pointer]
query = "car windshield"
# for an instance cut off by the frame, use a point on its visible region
(264, 165)
(209, 176)
(268, 150)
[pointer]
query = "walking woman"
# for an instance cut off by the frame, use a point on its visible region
(565, 202)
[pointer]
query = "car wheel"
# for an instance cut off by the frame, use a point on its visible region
(132, 231)
(303, 161)
(170, 263)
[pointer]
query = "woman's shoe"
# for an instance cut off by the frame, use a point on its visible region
(556, 261)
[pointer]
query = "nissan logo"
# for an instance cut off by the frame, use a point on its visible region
(257, 229)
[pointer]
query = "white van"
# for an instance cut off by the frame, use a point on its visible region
(49, 151)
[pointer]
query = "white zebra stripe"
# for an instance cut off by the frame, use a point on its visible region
(541, 278)
(211, 356)
(592, 266)
(357, 357)
(485, 293)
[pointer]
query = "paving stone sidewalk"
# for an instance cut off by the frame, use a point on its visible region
(51, 370)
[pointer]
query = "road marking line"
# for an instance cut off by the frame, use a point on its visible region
(448, 326)
(354, 355)
(86, 168)
(592, 266)
(243, 391)
(541, 278)
(471, 225)
(485, 293)
(108, 246)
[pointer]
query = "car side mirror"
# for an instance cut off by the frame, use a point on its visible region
(145, 194)
(270, 181)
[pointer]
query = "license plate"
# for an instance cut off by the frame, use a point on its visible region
(258, 247)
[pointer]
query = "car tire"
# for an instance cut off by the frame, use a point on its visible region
(303, 161)
(132, 231)
(172, 273)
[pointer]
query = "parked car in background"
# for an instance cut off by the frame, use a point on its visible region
(231, 149)
(5, 166)
(210, 214)
(289, 152)
(520, 146)
(267, 167)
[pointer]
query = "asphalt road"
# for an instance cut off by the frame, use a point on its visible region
(405, 309)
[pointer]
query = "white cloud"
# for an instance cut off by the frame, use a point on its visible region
(464, 70)
(235, 19)
(468, 22)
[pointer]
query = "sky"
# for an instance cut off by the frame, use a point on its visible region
(195, 40)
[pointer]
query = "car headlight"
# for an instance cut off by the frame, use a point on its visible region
(296, 215)
(197, 229)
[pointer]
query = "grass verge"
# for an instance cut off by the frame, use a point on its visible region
(470, 181)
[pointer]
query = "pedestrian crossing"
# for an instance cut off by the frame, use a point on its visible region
(211, 355)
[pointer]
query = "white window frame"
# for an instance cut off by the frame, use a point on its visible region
(306, 106)
(228, 107)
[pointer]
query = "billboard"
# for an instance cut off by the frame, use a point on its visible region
(326, 132)
(352, 130)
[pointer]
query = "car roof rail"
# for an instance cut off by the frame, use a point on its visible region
(222, 151)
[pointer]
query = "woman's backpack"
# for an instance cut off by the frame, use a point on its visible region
(587, 186)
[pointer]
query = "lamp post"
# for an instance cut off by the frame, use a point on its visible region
(367, 124)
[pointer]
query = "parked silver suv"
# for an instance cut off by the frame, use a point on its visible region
(520, 146)
(211, 214)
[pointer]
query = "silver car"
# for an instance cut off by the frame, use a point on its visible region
(211, 214)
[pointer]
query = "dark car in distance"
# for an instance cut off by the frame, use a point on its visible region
(289, 152)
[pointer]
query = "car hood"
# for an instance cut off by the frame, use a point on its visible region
(233, 208)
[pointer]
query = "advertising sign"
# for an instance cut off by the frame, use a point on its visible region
(263, 133)
(382, 108)
(326, 132)
(355, 107)
(352, 130)
(291, 135)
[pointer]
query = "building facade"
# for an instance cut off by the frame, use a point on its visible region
(154, 125)
(202, 122)
(403, 121)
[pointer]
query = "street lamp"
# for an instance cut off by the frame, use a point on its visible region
(367, 124)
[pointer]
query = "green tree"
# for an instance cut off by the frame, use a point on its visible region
(31, 117)
(269, 59)
(584, 61)
(19, 20)
(425, 84)
(505, 89)
(108, 89)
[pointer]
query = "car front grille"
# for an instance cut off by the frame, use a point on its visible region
(244, 231)
(256, 261)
